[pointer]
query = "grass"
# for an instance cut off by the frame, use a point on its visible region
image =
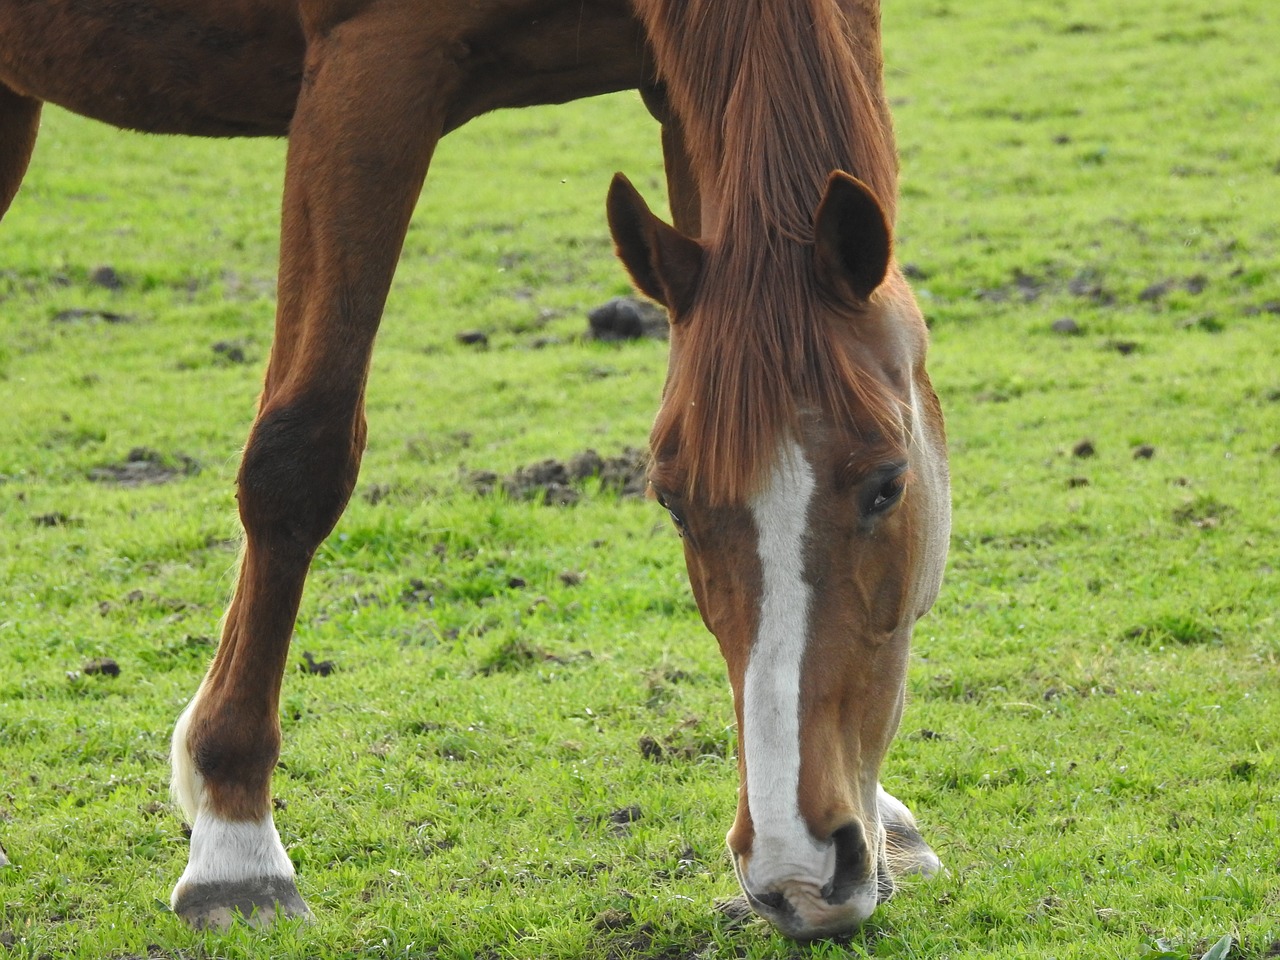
(1092, 735)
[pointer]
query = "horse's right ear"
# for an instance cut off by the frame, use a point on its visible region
(663, 262)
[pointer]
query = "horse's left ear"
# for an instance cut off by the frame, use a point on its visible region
(663, 262)
(852, 241)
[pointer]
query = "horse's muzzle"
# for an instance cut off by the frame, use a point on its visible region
(805, 910)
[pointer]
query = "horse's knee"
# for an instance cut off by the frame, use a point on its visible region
(298, 471)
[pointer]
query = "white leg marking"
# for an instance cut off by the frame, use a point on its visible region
(222, 851)
(783, 848)
(225, 851)
(185, 784)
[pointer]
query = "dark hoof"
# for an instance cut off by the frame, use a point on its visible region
(259, 902)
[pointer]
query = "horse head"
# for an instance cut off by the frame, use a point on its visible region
(800, 453)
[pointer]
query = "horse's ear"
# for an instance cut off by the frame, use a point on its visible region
(663, 262)
(852, 241)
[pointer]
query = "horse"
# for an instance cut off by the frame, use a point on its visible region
(799, 448)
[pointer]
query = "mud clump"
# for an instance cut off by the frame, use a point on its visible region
(107, 278)
(558, 483)
(626, 318)
(101, 666)
(320, 668)
(82, 313)
(145, 466)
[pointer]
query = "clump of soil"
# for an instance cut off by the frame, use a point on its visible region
(230, 351)
(620, 820)
(144, 465)
(107, 278)
(102, 665)
(82, 313)
(1158, 290)
(56, 519)
(559, 483)
(626, 318)
(688, 742)
(1030, 287)
(320, 667)
(472, 338)
(516, 655)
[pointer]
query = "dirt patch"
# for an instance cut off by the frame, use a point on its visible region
(516, 655)
(56, 519)
(617, 939)
(620, 820)
(924, 733)
(1203, 511)
(172, 605)
(230, 351)
(107, 278)
(102, 666)
(80, 313)
(688, 741)
(626, 318)
(145, 466)
(1270, 306)
(320, 667)
(472, 338)
(1030, 287)
(1162, 288)
(559, 483)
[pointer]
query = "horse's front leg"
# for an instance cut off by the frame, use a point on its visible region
(368, 118)
(684, 196)
(19, 124)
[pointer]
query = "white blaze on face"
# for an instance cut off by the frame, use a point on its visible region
(782, 848)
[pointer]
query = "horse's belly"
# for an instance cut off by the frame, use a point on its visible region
(166, 66)
(235, 67)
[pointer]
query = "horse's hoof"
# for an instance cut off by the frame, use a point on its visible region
(259, 902)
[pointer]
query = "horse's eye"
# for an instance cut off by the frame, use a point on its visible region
(887, 492)
(890, 492)
(671, 512)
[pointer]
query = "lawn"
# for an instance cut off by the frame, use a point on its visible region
(1089, 215)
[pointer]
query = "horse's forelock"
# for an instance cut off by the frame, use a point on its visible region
(770, 110)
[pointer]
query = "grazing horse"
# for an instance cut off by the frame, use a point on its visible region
(799, 447)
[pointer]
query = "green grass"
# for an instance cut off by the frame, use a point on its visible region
(1091, 742)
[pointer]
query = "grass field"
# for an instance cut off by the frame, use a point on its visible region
(1091, 742)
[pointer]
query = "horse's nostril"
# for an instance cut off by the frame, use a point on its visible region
(851, 864)
(774, 901)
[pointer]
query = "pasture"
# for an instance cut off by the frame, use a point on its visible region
(522, 745)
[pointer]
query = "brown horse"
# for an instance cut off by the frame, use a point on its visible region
(799, 447)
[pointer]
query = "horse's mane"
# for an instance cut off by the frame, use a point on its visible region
(772, 100)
